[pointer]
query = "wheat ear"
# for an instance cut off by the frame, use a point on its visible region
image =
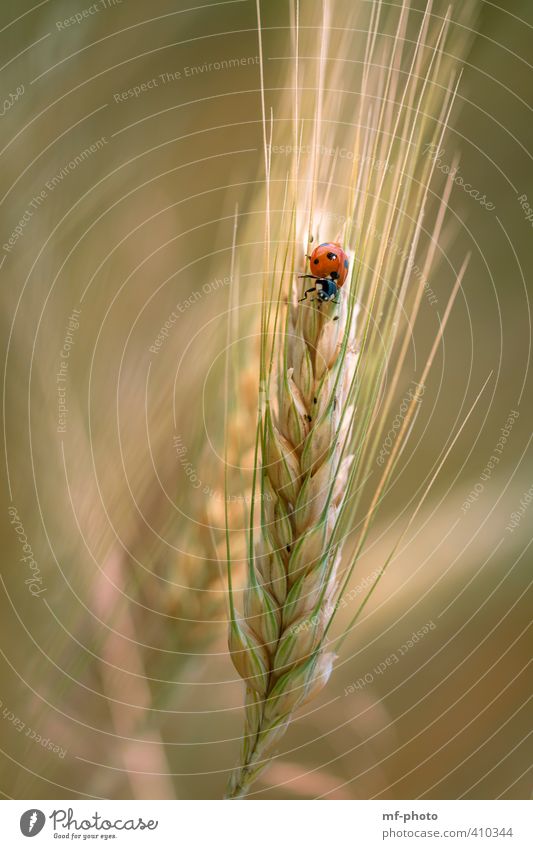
(276, 645)
(313, 489)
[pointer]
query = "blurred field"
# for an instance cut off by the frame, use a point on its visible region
(115, 676)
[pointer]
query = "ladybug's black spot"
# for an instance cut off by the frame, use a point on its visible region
(332, 256)
(316, 261)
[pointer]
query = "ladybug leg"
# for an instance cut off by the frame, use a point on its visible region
(306, 293)
(309, 276)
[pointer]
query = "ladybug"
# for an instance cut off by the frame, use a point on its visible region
(328, 265)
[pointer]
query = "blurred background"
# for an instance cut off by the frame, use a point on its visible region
(132, 144)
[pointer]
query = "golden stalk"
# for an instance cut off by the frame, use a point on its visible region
(324, 379)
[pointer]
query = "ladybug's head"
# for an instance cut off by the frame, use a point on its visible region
(326, 289)
(328, 260)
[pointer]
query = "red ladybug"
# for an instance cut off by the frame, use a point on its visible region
(328, 261)
(328, 265)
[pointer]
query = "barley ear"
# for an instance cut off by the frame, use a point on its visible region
(292, 576)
